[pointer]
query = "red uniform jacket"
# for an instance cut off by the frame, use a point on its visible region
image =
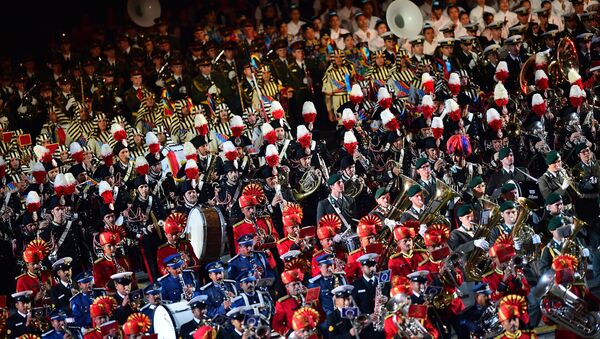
(284, 312)
(183, 246)
(390, 329)
(103, 268)
(518, 335)
(339, 254)
(28, 281)
(501, 289)
(284, 245)
(245, 227)
(402, 264)
(95, 334)
(457, 305)
(353, 269)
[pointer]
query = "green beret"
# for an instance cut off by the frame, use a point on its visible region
(580, 147)
(475, 181)
(552, 157)
(334, 178)
(414, 189)
(420, 162)
(555, 223)
(507, 205)
(464, 210)
(504, 152)
(507, 187)
(552, 198)
(380, 191)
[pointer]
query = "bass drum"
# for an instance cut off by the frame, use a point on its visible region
(205, 229)
(169, 318)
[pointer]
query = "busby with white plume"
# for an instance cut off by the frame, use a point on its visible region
(500, 95)
(106, 192)
(237, 125)
(493, 119)
(38, 171)
(118, 132)
(538, 105)
(272, 157)
(303, 136)
(309, 113)
(230, 151)
(384, 99)
(428, 83)
(541, 80)
(189, 151)
(277, 110)
(356, 94)
(106, 153)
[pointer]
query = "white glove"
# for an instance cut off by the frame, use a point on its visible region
(472, 64)
(517, 244)
(389, 223)
(536, 239)
(564, 184)
(70, 103)
(22, 109)
(232, 75)
(482, 243)
(33, 101)
(337, 238)
(182, 90)
(422, 230)
(585, 253)
(118, 100)
(160, 83)
(93, 89)
(212, 90)
(593, 180)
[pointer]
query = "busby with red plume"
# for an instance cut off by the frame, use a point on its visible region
(453, 109)
(437, 127)
(268, 133)
(454, 84)
(255, 193)
(541, 80)
(389, 120)
(106, 153)
(237, 126)
(42, 153)
(513, 306)
(141, 165)
(350, 142)
(384, 99)
(459, 144)
(309, 112)
(348, 119)
(493, 119)
(303, 136)
(152, 142)
(39, 172)
(118, 132)
(356, 94)
(230, 151)
(427, 106)
(76, 152)
(428, 83)
(200, 124)
(538, 105)
(277, 110)
(501, 71)
(500, 95)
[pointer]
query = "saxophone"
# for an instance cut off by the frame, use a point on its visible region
(379, 309)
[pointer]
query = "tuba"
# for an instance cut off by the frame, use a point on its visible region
(479, 263)
(572, 247)
(565, 308)
(354, 186)
(404, 18)
(309, 183)
(407, 327)
(529, 252)
(443, 194)
(447, 277)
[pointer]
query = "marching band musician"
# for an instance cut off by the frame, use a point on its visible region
(110, 263)
(586, 206)
(327, 280)
(250, 260)
(253, 224)
(292, 219)
(338, 326)
(35, 279)
(286, 305)
(63, 290)
(382, 198)
(512, 312)
(122, 283)
(417, 198)
(426, 178)
(507, 172)
(305, 323)
(220, 291)
(173, 228)
(277, 196)
(553, 248)
(337, 203)
(57, 320)
(178, 283)
(81, 302)
(199, 310)
(471, 317)
(20, 322)
(405, 261)
(506, 277)
(326, 233)
(553, 180)
(367, 229)
(253, 301)
(365, 287)
(100, 312)
(153, 297)
(461, 239)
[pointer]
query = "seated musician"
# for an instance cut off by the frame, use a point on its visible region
(404, 261)
(417, 199)
(337, 203)
(506, 276)
(367, 229)
(252, 224)
(173, 228)
(461, 239)
(512, 312)
(326, 233)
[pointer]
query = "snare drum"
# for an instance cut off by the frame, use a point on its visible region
(206, 231)
(169, 318)
(352, 243)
